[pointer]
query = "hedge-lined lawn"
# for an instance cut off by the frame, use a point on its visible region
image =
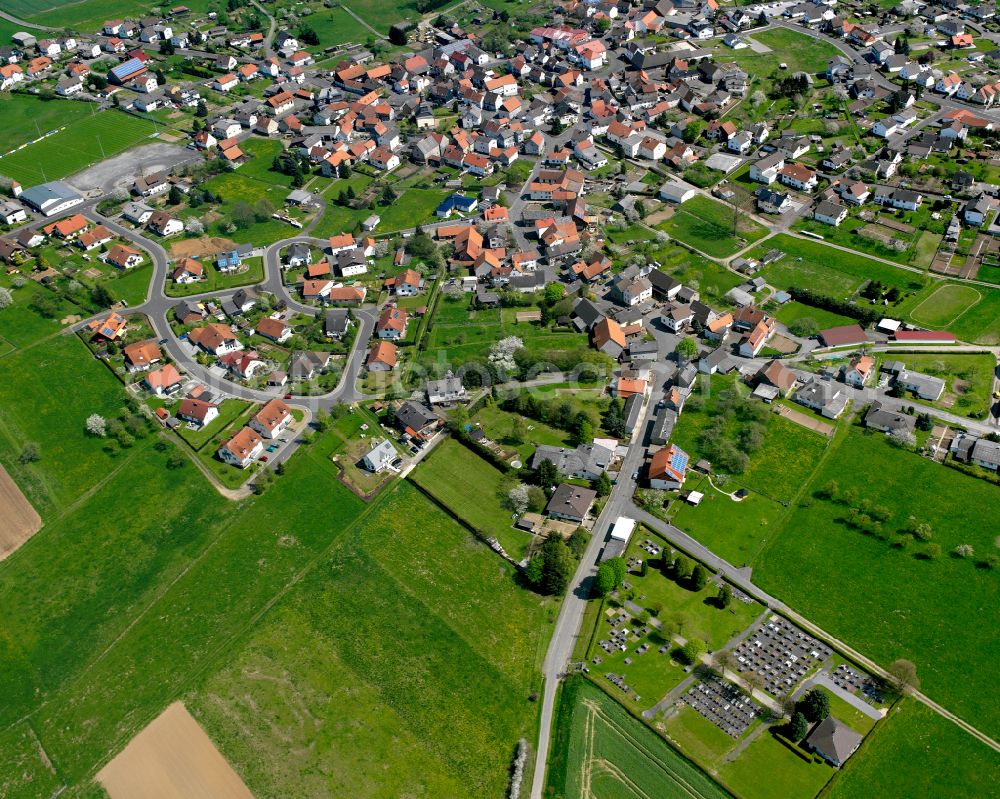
(469, 486)
(888, 603)
(368, 652)
(228, 411)
(76, 147)
(766, 769)
(26, 116)
(916, 752)
(263, 152)
(793, 311)
(707, 225)
(214, 279)
(815, 266)
(498, 424)
(234, 188)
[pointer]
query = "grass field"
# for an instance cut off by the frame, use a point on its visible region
(915, 752)
(84, 16)
(26, 117)
(945, 304)
(76, 147)
(713, 280)
(65, 386)
(813, 265)
(214, 279)
(599, 750)
(497, 424)
(885, 601)
(228, 411)
(766, 769)
(401, 667)
(235, 187)
(457, 477)
(707, 225)
(411, 208)
(792, 311)
(968, 378)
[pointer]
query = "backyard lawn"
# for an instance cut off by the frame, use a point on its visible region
(469, 487)
(766, 769)
(215, 280)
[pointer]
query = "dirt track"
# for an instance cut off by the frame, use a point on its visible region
(206, 245)
(172, 758)
(18, 519)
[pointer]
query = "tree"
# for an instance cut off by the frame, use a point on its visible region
(686, 349)
(726, 661)
(175, 461)
(243, 215)
(557, 566)
(903, 674)
(963, 551)
(607, 578)
(602, 485)
(517, 499)
(923, 531)
(547, 474)
(175, 197)
(97, 425)
(343, 171)
(201, 110)
(814, 705)
(518, 430)
(321, 420)
(30, 453)
(537, 500)
(932, 552)
(725, 597)
(6, 298)
(398, 35)
(387, 197)
(308, 35)
(682, 568)
(693, 650)
(797, 727)
(699, 577)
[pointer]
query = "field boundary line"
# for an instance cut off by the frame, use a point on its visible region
(635, 744)
(960, 314)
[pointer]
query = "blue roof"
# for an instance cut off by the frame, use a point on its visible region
(679, 461)
(127, 68)
(456, 202)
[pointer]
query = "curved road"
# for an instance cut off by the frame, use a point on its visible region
(35, 25)
(158, 306)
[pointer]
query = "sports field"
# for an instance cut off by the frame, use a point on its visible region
(600, 752)
(26, 117)
(83, 15)
(945, 304)
(81, 144)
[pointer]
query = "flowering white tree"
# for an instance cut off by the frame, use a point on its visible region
(518, 499)
(963, 551)
(97, 425)
(502, 353)
(194, 225)
(5, 298)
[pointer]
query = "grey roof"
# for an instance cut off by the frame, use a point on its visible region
(304, 363)
(834, 739)
(633, 409)
(587, 458)
(46, 194)
(663, 426)
(448, 386)
(888, 420)
(571, 500)
(986, 451)
(588, 313)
